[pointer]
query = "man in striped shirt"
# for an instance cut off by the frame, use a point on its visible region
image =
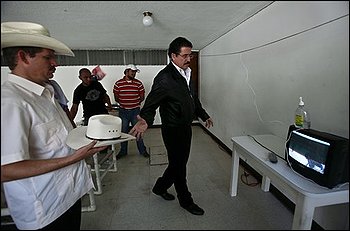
(129, 92)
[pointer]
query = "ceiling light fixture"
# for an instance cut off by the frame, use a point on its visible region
(147, 19)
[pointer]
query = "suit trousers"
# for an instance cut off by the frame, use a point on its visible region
(177, 141)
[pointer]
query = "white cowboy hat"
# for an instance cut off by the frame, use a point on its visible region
(18, 34)
(106, 129)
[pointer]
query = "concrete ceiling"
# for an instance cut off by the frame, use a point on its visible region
(118, 24)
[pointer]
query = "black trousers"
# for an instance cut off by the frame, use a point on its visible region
(177, 142)
(70, 220)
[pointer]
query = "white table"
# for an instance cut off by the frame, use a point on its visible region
(305, 194)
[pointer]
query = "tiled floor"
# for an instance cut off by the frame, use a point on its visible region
(127, 202)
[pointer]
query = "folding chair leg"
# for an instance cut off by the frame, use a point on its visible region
(112, 167)
(98, 175)
(92, 206)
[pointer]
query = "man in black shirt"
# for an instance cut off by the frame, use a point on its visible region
(93, 96)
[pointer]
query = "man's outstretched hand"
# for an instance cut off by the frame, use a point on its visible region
(139, 128)
(209, 123)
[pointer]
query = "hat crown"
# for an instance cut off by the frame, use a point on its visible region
(22, 34)
(24, 28)
(104, 127)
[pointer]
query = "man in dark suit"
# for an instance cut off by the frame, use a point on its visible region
(178, 106)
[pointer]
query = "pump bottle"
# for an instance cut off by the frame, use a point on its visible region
(302, 117)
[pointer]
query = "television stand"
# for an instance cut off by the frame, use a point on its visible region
(305, 194)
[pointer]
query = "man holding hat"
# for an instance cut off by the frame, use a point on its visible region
(129, 92)
(43, 178)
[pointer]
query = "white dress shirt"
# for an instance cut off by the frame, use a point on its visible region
(34, 126)
(185, 73)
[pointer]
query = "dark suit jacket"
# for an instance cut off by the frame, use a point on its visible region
(178, 105)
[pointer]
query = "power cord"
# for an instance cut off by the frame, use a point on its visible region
(245, 179)
(264, 146)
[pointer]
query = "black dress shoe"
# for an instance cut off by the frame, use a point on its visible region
(166, 196)
(194, 209)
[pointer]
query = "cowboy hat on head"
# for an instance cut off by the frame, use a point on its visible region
(28, 34)
(105, 128)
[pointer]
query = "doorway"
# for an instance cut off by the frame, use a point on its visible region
(194, 67)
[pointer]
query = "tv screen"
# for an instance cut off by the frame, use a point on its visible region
(319, 156)
(308, 151)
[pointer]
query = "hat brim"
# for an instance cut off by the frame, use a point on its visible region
(34, 40)
(77, 139)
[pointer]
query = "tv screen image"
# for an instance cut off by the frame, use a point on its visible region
(308, 151)
(322, 157)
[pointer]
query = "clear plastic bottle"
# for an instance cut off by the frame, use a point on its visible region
(302, 117)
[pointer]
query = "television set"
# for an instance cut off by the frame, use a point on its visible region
(319, 156)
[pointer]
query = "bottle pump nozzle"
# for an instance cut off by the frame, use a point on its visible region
(301, 102)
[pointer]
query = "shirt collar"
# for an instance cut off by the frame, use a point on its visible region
(28, 85)
(185, 73)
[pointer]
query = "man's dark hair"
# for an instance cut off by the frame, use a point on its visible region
(82, 70)
(176, 45)
(9, 54)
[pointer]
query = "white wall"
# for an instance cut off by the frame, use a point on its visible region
(258, 89)
(67, 77)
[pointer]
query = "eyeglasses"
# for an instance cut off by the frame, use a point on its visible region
(185, 56)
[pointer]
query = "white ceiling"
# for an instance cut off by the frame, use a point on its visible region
(118, 24)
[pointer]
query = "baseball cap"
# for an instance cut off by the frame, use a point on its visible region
(132, 67)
